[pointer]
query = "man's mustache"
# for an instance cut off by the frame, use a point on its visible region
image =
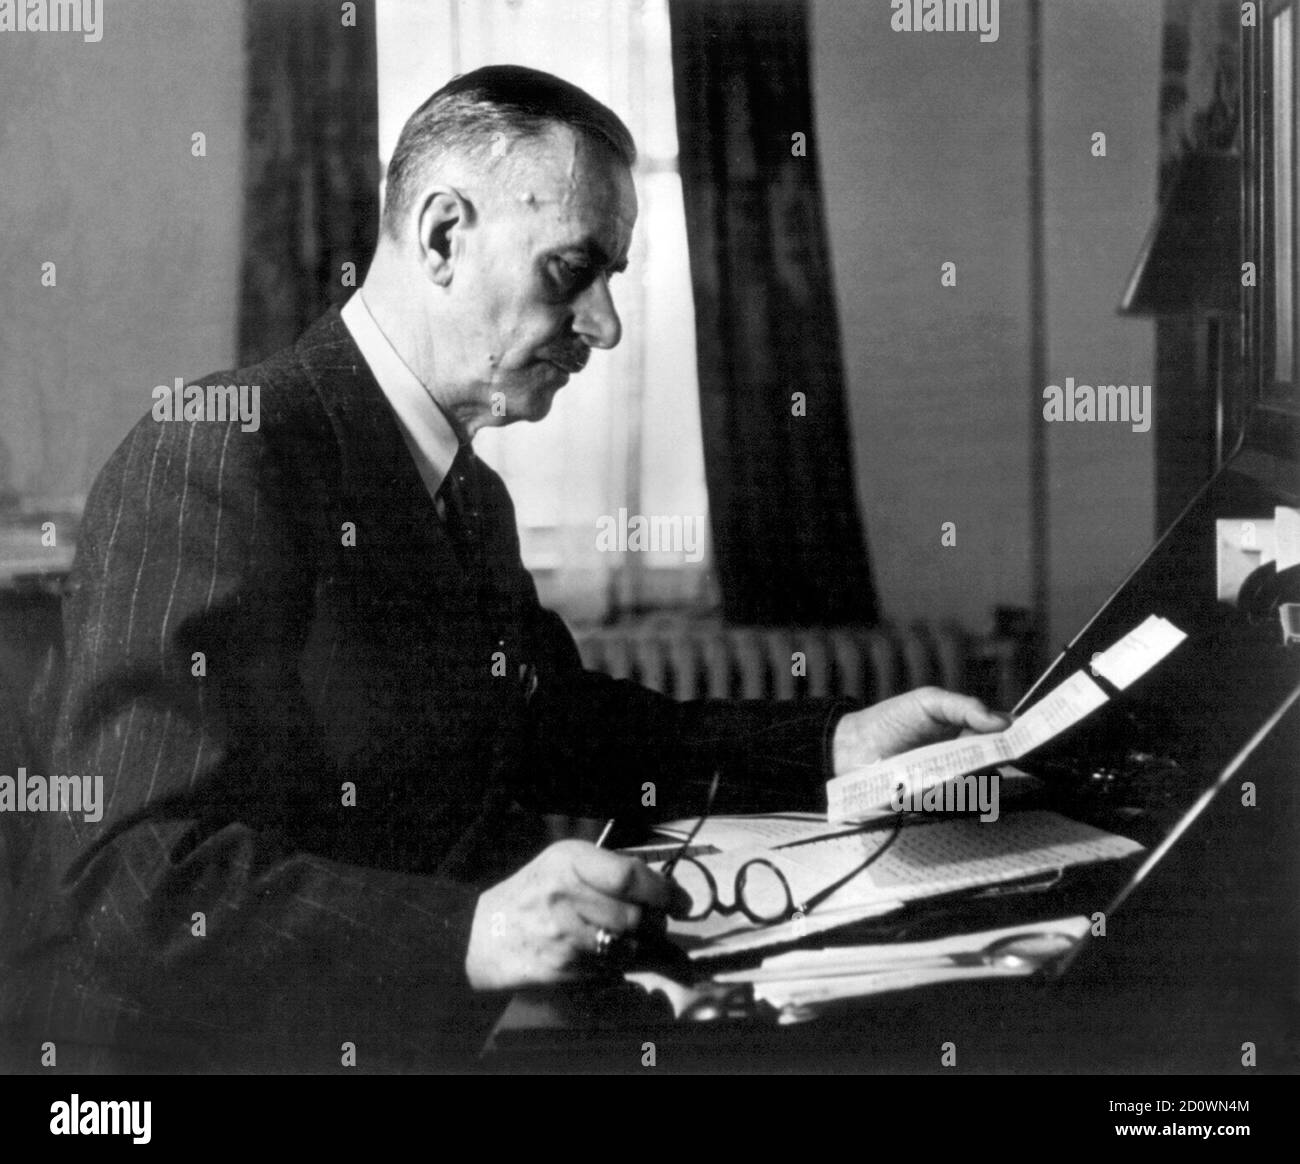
(571, 359)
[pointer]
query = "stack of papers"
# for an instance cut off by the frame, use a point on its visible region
(929, 857)
(809, 978)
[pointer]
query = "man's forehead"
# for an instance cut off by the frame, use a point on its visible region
(574, 183)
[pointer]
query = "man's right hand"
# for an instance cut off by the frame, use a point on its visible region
(540, 925)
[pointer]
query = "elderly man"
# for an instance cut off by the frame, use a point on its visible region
(316, 680)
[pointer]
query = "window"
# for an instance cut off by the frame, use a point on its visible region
(625, 434)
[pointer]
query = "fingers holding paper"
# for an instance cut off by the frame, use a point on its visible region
(924, 716)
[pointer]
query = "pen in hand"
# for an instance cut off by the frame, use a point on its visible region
(646, 939)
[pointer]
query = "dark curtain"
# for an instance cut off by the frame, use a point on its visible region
(788, 541)
(311, 201)
(1200, 99)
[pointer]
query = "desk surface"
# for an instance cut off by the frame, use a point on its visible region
(1205, 958)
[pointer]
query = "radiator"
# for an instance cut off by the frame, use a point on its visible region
(690, 660)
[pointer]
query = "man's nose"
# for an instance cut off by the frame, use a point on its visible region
(595, 317)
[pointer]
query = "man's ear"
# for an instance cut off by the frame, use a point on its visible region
(444, 215)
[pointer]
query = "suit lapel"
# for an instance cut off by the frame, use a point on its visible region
(396, 516)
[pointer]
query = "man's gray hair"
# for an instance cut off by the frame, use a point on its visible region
(478, 114)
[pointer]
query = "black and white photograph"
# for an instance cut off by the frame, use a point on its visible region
(650, 537)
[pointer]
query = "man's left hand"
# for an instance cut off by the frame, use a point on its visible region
(923, 716)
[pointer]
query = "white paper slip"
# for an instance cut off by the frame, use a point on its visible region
(1056, 712)
(862, 793)
(1137, 652)
(903, 779)
(900, 781)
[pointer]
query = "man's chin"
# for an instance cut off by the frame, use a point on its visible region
(539, 405)
(533, 406)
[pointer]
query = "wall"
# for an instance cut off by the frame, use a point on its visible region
(923, 144)
(924, 162)
(1101, 483)
(924, 150)
(98, 178)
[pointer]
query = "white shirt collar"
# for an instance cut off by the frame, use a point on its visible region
(428, 433)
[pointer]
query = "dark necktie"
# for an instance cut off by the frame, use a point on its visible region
(459, 495)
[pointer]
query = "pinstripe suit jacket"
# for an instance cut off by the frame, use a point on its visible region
(312, 766)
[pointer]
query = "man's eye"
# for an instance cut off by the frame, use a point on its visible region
(569, 277)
